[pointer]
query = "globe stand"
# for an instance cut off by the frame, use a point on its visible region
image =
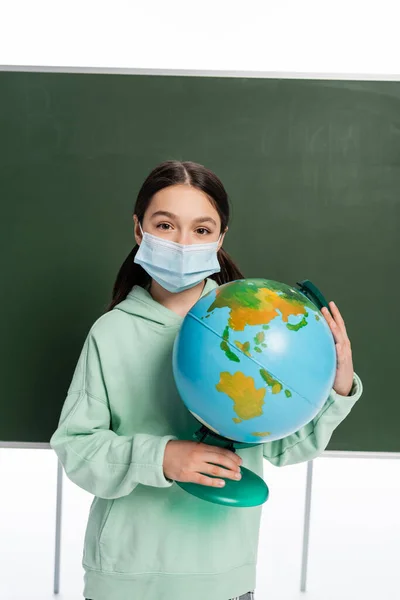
(308, 289)
(251, 490)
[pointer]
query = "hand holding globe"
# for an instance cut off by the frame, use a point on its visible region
(189, 462)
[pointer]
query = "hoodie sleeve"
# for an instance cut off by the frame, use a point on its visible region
(312, 439)
(94, 457)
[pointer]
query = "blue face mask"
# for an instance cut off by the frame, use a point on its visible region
(177, 267)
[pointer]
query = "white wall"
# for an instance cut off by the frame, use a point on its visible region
(309, 36)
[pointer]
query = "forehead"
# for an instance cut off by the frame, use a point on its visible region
(184, 201)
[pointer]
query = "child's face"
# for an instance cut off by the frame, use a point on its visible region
(182, 214)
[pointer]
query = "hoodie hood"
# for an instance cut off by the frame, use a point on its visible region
(141, 304)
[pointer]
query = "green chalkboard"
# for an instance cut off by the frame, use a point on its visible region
(313, 171)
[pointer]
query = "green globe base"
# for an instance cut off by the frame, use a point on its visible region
(251, 490)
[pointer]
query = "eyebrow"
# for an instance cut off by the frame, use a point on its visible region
(169, 215)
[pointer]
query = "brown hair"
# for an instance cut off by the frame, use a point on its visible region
(173, 172)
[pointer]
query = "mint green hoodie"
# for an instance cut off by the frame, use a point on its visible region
(146, 538)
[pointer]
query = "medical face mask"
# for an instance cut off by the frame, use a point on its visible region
(177, 267)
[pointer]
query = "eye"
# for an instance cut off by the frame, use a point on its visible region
(164, 226)
(202, 231)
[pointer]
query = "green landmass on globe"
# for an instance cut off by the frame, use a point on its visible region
(249, 306)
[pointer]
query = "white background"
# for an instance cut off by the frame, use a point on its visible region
(309, 36)
(355, 535)
(354, 542)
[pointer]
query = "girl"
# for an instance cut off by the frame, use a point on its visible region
(123, 428)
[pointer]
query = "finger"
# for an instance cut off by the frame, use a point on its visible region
(217, 471)
(208, 481)
(224, 452)
(327, 314)
(338, 317)
(223, 460)
(336, 331)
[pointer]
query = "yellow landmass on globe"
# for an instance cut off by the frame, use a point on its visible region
(248, 401)
(256, 306)
(271, 302)
(245, 348)
(261, 433)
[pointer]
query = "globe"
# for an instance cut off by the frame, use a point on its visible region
(254, 360)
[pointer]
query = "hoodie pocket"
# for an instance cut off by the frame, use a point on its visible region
(98, 518)
(105, 523)
(116, 537)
